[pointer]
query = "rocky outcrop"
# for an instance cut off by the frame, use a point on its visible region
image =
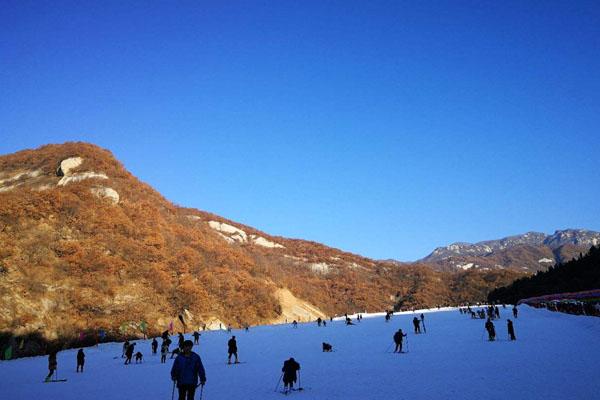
(233, 234)
(67, 165)
(106, 193)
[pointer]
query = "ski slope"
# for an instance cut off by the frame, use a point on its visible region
(555, 357)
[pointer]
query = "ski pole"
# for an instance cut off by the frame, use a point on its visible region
(278, 381)
(173, 393)
(299, 382)
(388, 348)
(201, 391)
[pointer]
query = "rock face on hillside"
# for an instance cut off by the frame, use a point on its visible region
(85, 245)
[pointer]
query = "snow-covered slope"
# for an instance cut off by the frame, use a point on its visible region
(555, 357)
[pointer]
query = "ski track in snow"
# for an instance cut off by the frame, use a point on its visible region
(555, 357)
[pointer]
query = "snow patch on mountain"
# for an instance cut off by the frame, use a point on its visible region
(546, 260)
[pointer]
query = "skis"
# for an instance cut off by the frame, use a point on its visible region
(286, 392)
(55, 380)
(237, 362)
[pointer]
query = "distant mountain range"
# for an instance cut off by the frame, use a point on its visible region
(530, 252)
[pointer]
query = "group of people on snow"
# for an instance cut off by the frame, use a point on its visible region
(188, 373)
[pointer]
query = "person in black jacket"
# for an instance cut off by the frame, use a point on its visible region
(196, 337)
(511, 330)
(489, 327)
(80, 360)
(417, 325)
(398, 338)
(154, 346)
(52, 365)
(290, 369)
(232, 350)
(129, 353)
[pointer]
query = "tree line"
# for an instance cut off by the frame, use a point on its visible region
(579, 274)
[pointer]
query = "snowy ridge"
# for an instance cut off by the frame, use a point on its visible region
(579, 237)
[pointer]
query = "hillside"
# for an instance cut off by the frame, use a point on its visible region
(451, 361)
(85, 245)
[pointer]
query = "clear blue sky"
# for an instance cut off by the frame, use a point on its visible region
(381, 128)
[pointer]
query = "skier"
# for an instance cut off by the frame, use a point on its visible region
(423, 322)
(52, 365)
(324, 323)
(181, 340)
(319, 321)
(290, 368)
(398, 338)
(232, 350)
(125, 347)
(515, 311)
(295, 324)
(186, 370)
(80, 360)
(165, 335)
(129, 353)
(196, 337)
(417, 325)
(387, 317)
(511, 330)
(164, 350)
(349, 321)
(497, 311)
(489, 327)
(154, 346)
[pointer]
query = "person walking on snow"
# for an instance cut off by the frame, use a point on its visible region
(398, 338)
(164, 351)
(125, 347)
(515, 311)
(290, 369)
(186, 370)
(80, 360)
(154, 346)
(417, 324)
(489, 327)
(423, 322)
(511, 330)
(181, 340)
(129, 353)
(52, 365)
(196, 337)
(232, 350)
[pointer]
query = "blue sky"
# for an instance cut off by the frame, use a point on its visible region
(381, 128)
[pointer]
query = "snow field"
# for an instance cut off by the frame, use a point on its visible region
(555, 357)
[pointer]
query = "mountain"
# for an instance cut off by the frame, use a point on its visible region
(530, 252)
(85, 245)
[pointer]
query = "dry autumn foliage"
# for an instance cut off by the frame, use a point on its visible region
(72, 262)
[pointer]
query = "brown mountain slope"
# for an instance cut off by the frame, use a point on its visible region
(85, 245)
